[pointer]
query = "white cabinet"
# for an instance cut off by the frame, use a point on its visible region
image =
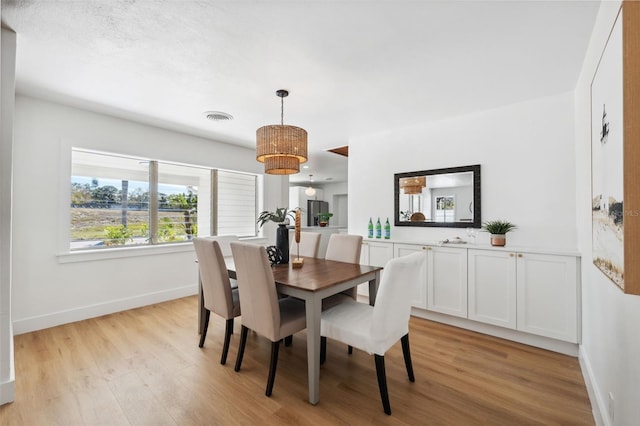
(547, 293)
(492, 287)
(379, 253)
(374, 253)
(419, 299)
(447, 280)
(530, 292)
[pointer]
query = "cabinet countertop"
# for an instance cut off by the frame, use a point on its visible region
(467, 245)
(320, 228)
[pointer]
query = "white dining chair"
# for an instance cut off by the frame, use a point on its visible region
(217, 292)
(375, 329)
(308, 247)
(262, 311)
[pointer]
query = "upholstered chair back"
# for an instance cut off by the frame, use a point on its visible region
(344, 248)
(309, 245)
(216, 287)
(258, 295)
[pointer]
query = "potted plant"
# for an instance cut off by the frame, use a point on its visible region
(280, 216)
(323, 218)
(498, 230)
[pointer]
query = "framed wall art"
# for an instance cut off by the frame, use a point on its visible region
(615, 153)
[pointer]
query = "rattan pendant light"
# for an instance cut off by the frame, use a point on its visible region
(413, 185)
(281, 148)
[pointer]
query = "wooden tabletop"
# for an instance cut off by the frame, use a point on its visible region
(317, 274)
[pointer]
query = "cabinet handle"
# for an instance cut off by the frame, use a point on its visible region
(519, 254)
(511, 255)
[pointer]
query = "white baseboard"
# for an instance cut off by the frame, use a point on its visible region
(598, 405)
(547, 343)
(8, 387)
(7, 391)
(40, 322)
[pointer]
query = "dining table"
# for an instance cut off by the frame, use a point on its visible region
(316, 280)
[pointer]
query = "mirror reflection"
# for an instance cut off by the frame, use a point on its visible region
(443, 197)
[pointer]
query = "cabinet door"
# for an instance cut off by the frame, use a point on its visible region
(419, 299)
(380, 253)
(447, 280)
(492, 287)
(548, 295)
(374, 253)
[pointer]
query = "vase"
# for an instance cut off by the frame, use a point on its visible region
(498, 240)
(282, 242)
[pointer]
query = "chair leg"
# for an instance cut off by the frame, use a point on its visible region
(228, 331)
(275, 346)
(288, 340)
(206, 327)
(350, 349)
(407, 357)
(323, 349)
(382, 383)
(243, 342)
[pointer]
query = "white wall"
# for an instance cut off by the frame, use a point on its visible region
(526, 153)
(47, 292)
(610, 350)
(8, 50)
(335, 194)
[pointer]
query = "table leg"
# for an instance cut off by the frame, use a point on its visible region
(313, 307)
(373, 288)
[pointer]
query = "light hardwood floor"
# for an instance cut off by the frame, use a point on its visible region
(144, 366)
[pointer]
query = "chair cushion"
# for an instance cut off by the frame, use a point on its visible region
(292, 316)
(350, 323)
(336, 299)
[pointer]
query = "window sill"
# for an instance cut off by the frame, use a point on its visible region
(117, 253)
(134, 251)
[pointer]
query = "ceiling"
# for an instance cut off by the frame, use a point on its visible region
(352, 68)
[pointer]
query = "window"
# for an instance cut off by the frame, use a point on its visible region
(109, 201)
(124, 201)
(237, 204)
(445, 208)
(178, 201)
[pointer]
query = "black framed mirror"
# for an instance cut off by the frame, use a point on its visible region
(448, 197)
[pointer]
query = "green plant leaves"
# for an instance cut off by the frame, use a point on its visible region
(498, 227)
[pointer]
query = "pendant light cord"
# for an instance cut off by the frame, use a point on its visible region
(282, 111)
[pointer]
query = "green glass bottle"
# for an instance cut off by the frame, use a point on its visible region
(370, 229)
(378, 229)
(387, 230)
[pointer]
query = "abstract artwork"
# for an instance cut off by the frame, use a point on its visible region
(607, 156)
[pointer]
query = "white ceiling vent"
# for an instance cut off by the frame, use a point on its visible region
(218, 116)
